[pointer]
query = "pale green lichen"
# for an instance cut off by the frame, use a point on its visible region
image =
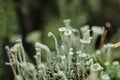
(75, 58)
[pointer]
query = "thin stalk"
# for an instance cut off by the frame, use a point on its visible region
(56, 43)
(22, 50)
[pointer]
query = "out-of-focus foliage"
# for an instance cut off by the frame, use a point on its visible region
(73, 9)
(8, 28)
(79, 11)
(34, 37)
(8, 21)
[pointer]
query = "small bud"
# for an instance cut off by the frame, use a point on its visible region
(63, 57)
(78, 52)
(116, 63)
(70, 53)
(98, 52)
(105, 77)
(61, 29)
(82, 55)
(49, 34)
(106, 63)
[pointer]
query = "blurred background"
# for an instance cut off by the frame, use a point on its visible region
(31, 20)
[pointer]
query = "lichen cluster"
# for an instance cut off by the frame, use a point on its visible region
(74, 58)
